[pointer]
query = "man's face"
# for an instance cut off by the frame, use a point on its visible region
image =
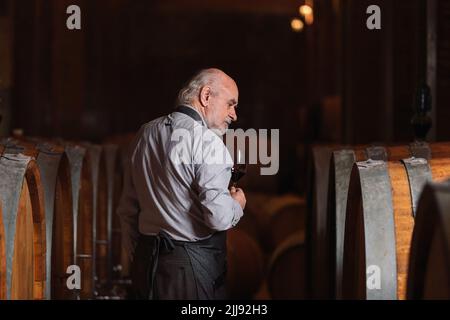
(221, 110)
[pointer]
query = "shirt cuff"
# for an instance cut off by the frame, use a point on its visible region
(237, 213)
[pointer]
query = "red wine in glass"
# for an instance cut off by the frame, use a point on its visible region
(237, 172)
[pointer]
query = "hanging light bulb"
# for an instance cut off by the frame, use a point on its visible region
(297, 25)
(305, 10)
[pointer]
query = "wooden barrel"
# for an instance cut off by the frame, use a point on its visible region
(2, 253)
(252, 222)
(114, 157)
(117, 258)
(83, 215)
(328, 167)
(285, 221)
(2, 249)
(121, 140)
(55, 177)
(245, 265)
(102, 240)
(55, 169)
(340, 168)
(382, 200)
(248, 224)
(287, 269)
(263, 211)
(429, 262)
(100, 213)
(108, 238)
(23, 215)
(318, 160)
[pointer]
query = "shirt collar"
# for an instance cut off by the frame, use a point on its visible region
(201, 116)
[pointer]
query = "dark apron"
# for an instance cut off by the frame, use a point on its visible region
(167, 269)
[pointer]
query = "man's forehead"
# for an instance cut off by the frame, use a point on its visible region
(232, 96)
(230, 86)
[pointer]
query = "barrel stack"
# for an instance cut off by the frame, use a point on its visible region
(55, 176)
(342, 162)
(382, 203)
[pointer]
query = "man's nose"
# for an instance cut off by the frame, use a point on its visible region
(232, 114)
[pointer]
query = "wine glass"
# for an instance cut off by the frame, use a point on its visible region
(238, 171)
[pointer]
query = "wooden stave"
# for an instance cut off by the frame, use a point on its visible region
(39, 227)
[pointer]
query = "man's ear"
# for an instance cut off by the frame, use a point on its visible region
(205, 95)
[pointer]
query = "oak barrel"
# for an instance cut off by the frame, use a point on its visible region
(116, 150)
(285, 221)
(429, 262)
(245, 265)
(83, 215)
(99, 206)
(23, 215)
(2, 254)
(55, 170)
(339, 178)
(2, 249)
(318, 166)
(108, 240)
(286, 277)
(117, 258)
(266, 221)
(55, 177)
(382, 202)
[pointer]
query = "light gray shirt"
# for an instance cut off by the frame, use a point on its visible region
(176, 180)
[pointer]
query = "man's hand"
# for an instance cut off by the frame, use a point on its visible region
(238, 195)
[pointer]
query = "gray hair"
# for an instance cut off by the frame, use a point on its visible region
(205, 77)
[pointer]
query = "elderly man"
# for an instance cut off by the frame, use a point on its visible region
(174, 212)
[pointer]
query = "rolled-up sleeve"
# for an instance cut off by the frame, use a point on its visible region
(221, 212)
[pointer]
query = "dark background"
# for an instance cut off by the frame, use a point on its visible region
(335, 82)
